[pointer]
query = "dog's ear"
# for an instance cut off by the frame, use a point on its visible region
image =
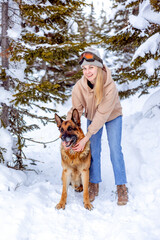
(75, 117)
(58, 120)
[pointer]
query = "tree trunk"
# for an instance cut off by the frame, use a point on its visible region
(5, 62)
(4, 43)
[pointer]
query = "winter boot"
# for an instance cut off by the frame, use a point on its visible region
(93, 191)
(96, 189)
(122, 192)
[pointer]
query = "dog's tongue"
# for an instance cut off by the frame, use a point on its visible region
(67, 144)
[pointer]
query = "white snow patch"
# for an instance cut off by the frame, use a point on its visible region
(6, 142)
(138, 22)
(150, 45)
(150, 66)
(5, 96)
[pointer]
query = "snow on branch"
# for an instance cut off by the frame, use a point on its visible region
(150, 66)
(146, 15)
(138, 22)
(150, 45)
(146, 18)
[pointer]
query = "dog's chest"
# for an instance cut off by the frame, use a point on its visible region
(74, 159)
(71, 158)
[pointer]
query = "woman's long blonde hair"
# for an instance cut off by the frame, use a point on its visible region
(98, 89)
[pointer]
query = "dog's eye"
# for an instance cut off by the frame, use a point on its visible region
(62, 130)
(69, 128)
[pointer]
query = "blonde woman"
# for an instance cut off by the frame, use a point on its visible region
(97, 95)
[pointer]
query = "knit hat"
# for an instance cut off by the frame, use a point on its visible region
(95, 62)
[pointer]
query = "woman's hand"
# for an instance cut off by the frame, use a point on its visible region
(80, 145)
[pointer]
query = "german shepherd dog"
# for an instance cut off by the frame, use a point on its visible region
(75, 164)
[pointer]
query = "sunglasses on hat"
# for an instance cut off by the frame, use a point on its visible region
(89, 57)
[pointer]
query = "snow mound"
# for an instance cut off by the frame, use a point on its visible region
(10, 179)
(5, 96)
(6, 143)
(151, 107)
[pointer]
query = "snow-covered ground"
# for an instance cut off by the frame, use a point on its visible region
(28, 199)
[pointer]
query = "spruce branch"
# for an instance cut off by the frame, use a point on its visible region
(44, 143)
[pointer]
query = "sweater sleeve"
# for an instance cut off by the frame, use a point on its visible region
(76, 103)
(104, 110)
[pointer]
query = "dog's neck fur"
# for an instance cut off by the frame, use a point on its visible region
(82, 154)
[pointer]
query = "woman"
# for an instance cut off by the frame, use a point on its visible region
(96, 93)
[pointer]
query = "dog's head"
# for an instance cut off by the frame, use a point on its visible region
(70, 130)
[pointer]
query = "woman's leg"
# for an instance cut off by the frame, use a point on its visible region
(114, 132)
(95, 168)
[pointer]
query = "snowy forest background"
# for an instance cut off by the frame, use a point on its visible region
(40, 46)
(40, 43)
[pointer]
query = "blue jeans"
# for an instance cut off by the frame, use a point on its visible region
(114, 132)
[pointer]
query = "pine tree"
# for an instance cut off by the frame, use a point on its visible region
(82, 25)
(53, 49)
(93, 26)
(104, 33)
(47, 52)
(155, 4)
(124, 42)
(50, 37)
(112, 37)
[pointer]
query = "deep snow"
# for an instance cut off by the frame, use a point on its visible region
(28, 199)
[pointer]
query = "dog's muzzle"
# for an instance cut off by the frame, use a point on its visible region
(69, 140)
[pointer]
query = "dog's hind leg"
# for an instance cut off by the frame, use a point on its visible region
(66, 176)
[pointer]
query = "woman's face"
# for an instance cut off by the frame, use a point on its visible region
(90, 72)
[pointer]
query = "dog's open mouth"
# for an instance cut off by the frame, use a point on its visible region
(70, 142)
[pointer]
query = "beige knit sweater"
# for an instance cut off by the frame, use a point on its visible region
(83, 99)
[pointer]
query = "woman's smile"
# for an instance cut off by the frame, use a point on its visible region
(90, 72)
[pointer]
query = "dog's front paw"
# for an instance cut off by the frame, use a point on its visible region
(88, 206)
(60, 205)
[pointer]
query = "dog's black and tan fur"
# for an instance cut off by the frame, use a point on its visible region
(75, 164)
